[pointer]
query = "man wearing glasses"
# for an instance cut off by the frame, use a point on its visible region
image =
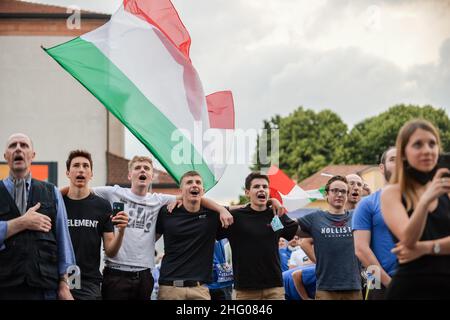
(337, 268)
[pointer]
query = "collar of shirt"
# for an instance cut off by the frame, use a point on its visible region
(9, 184)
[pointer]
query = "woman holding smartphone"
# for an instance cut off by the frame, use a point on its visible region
(416, 208)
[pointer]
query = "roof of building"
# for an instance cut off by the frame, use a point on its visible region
(21, 18)
(18, 6)
(321, 177)
(118, 174)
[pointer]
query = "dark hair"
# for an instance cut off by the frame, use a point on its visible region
(191, 173)
(78, 153)
(333, 179)
(252, 176)
(383, 156)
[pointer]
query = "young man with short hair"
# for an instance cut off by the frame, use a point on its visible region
(89, 221)
(254, 243)
(337, 269)
(189, 234)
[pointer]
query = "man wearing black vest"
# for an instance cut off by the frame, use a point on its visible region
(35, 246)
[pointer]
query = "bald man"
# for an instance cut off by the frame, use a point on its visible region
(35, 246)
(355, 191)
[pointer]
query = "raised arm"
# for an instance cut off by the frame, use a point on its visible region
(409, 230)
(277, 207)
(111, 241)
(225, 217)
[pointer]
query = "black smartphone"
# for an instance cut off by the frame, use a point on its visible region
(444, 162)
(117, 207)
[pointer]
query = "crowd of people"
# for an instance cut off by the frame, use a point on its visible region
(390, 244)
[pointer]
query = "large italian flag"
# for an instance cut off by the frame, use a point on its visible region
(138, 66)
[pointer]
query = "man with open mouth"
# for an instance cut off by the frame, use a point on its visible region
(189, 233)
(35, 246)
(127, 276)
(89, 219)
(254, 244)
(355, 184)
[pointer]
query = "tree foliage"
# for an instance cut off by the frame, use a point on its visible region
(369, 138)
(308, 141)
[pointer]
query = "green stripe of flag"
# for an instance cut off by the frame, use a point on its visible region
(86, 63)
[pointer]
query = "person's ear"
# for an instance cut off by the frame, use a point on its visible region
(326, 196)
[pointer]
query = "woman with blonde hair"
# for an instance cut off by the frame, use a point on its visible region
(416, 208)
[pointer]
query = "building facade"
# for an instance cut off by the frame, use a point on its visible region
(39, 98)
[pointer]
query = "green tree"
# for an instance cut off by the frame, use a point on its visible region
(369, 138)
(242, 199)
(308, 141)
(264, 153)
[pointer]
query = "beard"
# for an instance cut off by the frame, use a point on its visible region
(387, 175)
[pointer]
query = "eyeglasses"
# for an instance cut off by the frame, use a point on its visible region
(337, 191)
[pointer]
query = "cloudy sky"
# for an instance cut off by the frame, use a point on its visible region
(357, 58)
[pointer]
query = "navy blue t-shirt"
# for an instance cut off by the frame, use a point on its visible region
(337, 267)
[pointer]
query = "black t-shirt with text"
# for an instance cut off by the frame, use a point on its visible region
(189, 239)
(254, 246)
(88, 219)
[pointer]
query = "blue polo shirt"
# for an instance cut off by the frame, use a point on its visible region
(368, 216)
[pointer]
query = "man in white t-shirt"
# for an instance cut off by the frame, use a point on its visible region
(128, 275)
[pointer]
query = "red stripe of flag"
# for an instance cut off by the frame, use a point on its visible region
(279, 181)
(162, 14)
(221, 110)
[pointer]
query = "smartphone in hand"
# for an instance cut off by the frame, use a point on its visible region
(444, 162)
(117, 207)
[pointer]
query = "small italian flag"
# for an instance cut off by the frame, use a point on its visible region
(138, 66)
(288, 192)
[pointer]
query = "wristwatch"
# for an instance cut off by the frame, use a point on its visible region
(436, 248)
